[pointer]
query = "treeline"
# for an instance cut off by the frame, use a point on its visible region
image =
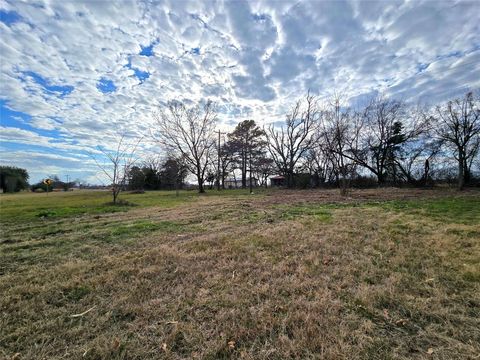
(385, 142)
(57, 184)
(156, 175)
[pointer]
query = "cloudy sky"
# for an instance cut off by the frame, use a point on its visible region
(76, 74)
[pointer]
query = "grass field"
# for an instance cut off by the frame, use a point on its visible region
(381, 274)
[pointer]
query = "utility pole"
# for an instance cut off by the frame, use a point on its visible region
(218, 161)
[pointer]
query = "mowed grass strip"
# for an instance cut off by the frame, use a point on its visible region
(61, 242)
(25, 207)
(232, 277)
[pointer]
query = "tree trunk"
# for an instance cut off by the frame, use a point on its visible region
(461, 175)
(394, 174)
(201, 189)
(381, 179)
(244, 170)
(115, 194)
(290, 182)
(343, 186)
(250, 173)
(287, 178)
(466, 173)
(426, 172)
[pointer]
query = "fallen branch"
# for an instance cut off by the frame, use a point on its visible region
(83, 313)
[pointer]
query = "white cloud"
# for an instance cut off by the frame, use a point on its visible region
(253, 58)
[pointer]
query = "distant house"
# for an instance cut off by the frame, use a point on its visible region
(278, 180)
(233, 183)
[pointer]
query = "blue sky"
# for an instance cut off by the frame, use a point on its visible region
(76, 74)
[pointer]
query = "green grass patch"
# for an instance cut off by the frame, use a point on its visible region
(460, 210)
(129, 233)
(472, 276)
(25, 206)
(33, 207)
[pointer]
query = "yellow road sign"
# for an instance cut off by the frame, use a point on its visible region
(48, 182)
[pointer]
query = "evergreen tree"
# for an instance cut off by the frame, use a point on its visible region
(13, 179)
(247, 142)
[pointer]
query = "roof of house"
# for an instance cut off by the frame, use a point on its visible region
(277, 177)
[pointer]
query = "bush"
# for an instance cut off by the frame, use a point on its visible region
(40, 186)
(46, 213)
(364, 182)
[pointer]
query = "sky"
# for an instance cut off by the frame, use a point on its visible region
(77, 74)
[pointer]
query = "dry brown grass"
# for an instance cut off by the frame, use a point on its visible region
(291, 274)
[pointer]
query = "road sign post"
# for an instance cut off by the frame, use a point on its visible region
(48, 182)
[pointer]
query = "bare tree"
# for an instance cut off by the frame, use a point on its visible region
(383, 131)
(291, 142)
(318, 162)
(153, 163)
(189, 132)
(403, 146)
(414, 158)
(415, 161)
(116, 164)
(383, 127)
(458, 125)
(339, 133)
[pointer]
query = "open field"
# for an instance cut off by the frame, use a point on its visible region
(382, 274)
